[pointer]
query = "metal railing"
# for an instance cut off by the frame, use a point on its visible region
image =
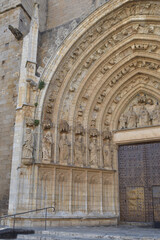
(31, 211)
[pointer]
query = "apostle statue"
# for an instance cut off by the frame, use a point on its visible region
(64, 149)
(47, 146)
(28, 144)
(107, 155)
(94, 152)
(79, 150)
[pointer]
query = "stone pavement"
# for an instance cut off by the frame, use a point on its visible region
(122, 232)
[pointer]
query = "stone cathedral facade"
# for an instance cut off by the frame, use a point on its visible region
(80, 110)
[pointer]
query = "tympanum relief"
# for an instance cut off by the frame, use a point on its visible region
(143, 111)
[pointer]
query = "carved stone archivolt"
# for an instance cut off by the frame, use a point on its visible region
(111, 40)
(143, 111)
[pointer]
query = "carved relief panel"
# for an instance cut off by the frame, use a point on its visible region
(79, 191)
(143, 111)
(94, 192)
(63, 190)
(24, 193)
(108, 193)
(45, 188)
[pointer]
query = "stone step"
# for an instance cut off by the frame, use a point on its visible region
(78, 237)
(95, 233)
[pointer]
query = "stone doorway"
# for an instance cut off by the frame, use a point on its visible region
(139, 171)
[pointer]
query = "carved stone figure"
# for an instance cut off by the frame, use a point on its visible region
(122, 121)
(144, 117)
(155, 115)
(107, 158)
(64, 149)
(16, 32)
(131, 118)
(47, 124)
(47, 146)
(63, 126)
(28, 144)
(79, 150)
(142, 99)
(94, 152)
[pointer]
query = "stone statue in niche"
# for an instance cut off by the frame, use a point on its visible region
(64, 149)
(122, 121)
(47, 145)
(79, 150)
(28, 144)
(155, 115)
(93, 152)
(144, 117)
(131, 118)
(106, 149)
(107, 157)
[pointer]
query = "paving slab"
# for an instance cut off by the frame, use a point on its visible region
(85, 233)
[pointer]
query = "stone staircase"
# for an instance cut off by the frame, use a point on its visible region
(87, 233)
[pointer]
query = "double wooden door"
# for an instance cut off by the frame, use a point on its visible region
(139, 182)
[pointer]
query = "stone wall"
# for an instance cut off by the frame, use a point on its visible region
(61, 12)
(10, 59)
(62, 18)
(28, 7)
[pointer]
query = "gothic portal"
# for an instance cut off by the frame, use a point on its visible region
(97, 94)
